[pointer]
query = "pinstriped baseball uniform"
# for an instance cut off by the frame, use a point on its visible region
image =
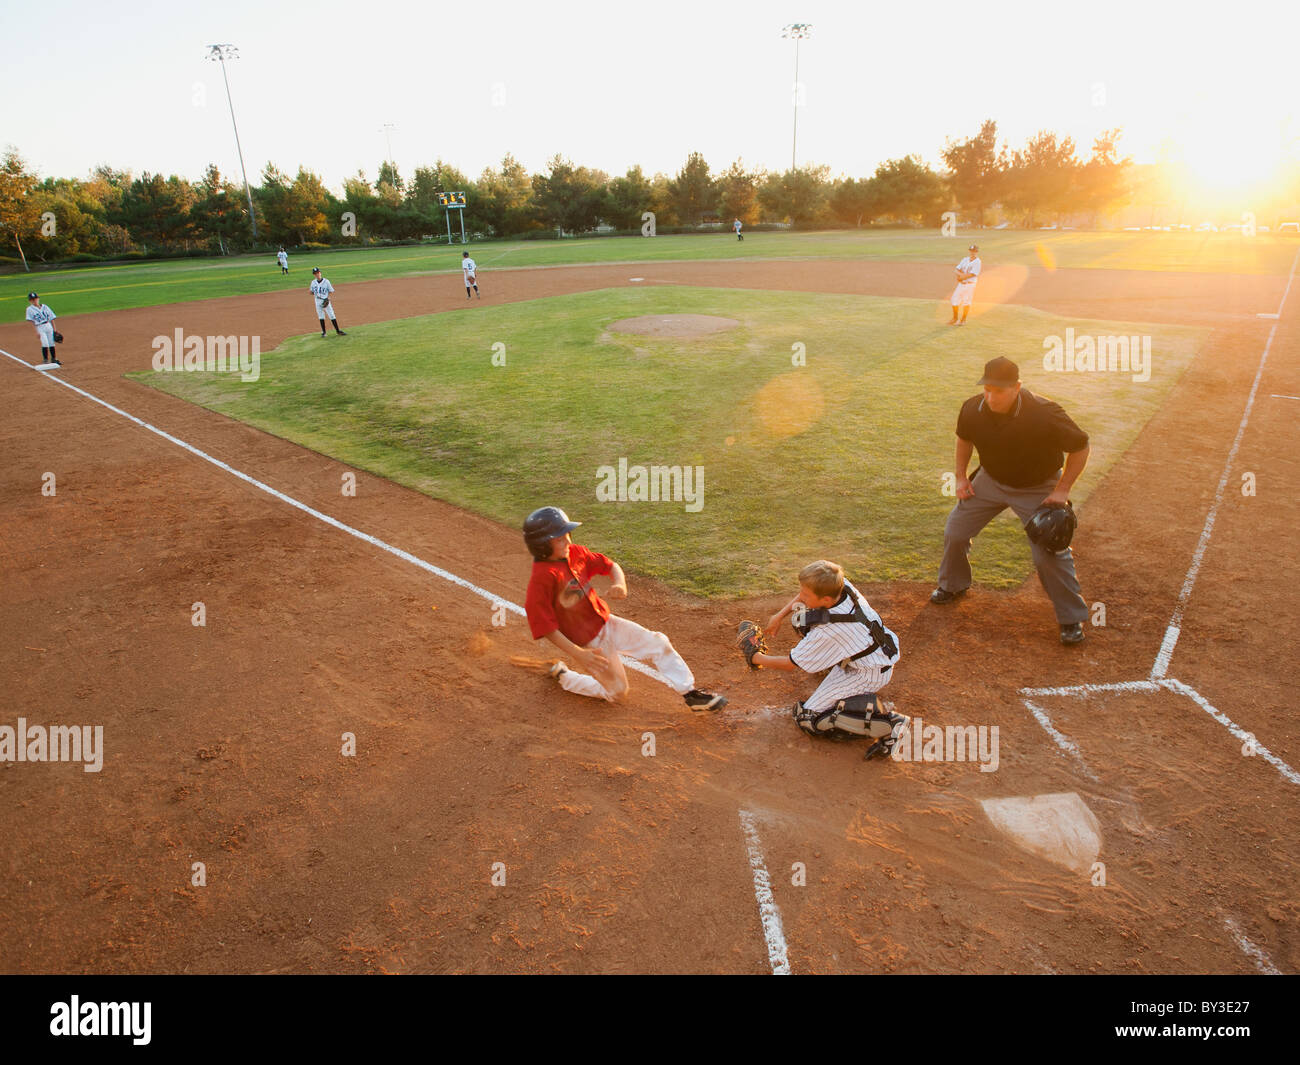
(826, 646)
(42, 317)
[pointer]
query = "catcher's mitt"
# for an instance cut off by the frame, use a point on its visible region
(749, 638)
(58, 337)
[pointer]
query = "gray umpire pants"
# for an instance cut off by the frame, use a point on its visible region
(969, 516)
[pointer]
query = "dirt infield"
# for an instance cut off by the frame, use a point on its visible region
(223, 742)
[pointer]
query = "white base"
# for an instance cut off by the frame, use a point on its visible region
(1059, 827)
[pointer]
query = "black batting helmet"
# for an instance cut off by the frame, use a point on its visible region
(1052, 527)
(544, 525)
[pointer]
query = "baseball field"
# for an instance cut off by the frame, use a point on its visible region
(290, 598)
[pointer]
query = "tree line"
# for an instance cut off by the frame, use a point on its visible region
(115, 213)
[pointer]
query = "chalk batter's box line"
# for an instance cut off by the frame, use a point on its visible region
(374, 541)
(1082, 691)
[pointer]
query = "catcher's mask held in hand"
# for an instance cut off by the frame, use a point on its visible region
(1052, 528)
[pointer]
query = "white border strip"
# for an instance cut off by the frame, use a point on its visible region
(374, 541)
(1262, 961)
(1175, 628)
(767, 911)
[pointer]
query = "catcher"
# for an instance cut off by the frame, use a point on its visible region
(840, 633)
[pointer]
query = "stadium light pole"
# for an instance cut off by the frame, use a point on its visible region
(387, 130)
(796, 31)
(220, 53)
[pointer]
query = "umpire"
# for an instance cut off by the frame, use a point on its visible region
(1022, 439)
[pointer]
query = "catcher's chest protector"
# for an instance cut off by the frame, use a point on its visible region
(880, 638)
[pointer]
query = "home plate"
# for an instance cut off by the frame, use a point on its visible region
(1059, 827)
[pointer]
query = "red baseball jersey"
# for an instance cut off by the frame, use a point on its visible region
(560, 596)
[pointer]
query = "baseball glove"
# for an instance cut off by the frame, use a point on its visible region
(749, 638)
(58, 337)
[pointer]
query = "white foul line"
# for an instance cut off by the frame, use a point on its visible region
(374, 541)
(1262, 961)
(767, 911)
(1287, 291)
(1234, 728)
(1161, 666)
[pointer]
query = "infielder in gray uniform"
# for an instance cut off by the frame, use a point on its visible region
(843, 635)
(1022, 441)
(43, 317)
(320, 291)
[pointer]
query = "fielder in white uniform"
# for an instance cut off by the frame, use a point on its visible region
(469, 269)
(320, 290)
(857, 649)
(282, 257)
(43, 317)
(968, 272)
(736, 225)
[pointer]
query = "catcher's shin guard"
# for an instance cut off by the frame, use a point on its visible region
(859, 715)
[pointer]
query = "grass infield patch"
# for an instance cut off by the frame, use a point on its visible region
(841, 458)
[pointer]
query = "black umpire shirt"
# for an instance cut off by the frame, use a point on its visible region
(1025, 446)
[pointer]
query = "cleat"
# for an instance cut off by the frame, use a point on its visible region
(900, 724)
(697, 699)
(1072, 634)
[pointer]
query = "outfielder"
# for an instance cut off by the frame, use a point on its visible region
(282, 257)
(469, 268)
(564, 609)
(840, 633)
(968, 272)
(43, 317)
(320, 290)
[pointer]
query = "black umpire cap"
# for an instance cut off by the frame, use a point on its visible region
(1000, 372)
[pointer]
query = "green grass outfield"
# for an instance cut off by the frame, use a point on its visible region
(842, 458)
(81, 290)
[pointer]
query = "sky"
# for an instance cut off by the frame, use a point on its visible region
(611, 85)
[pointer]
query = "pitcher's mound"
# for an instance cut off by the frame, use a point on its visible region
(675, 326)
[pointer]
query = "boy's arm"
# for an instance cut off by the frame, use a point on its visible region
(775, 662)
(775, 621)
(617, 583)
